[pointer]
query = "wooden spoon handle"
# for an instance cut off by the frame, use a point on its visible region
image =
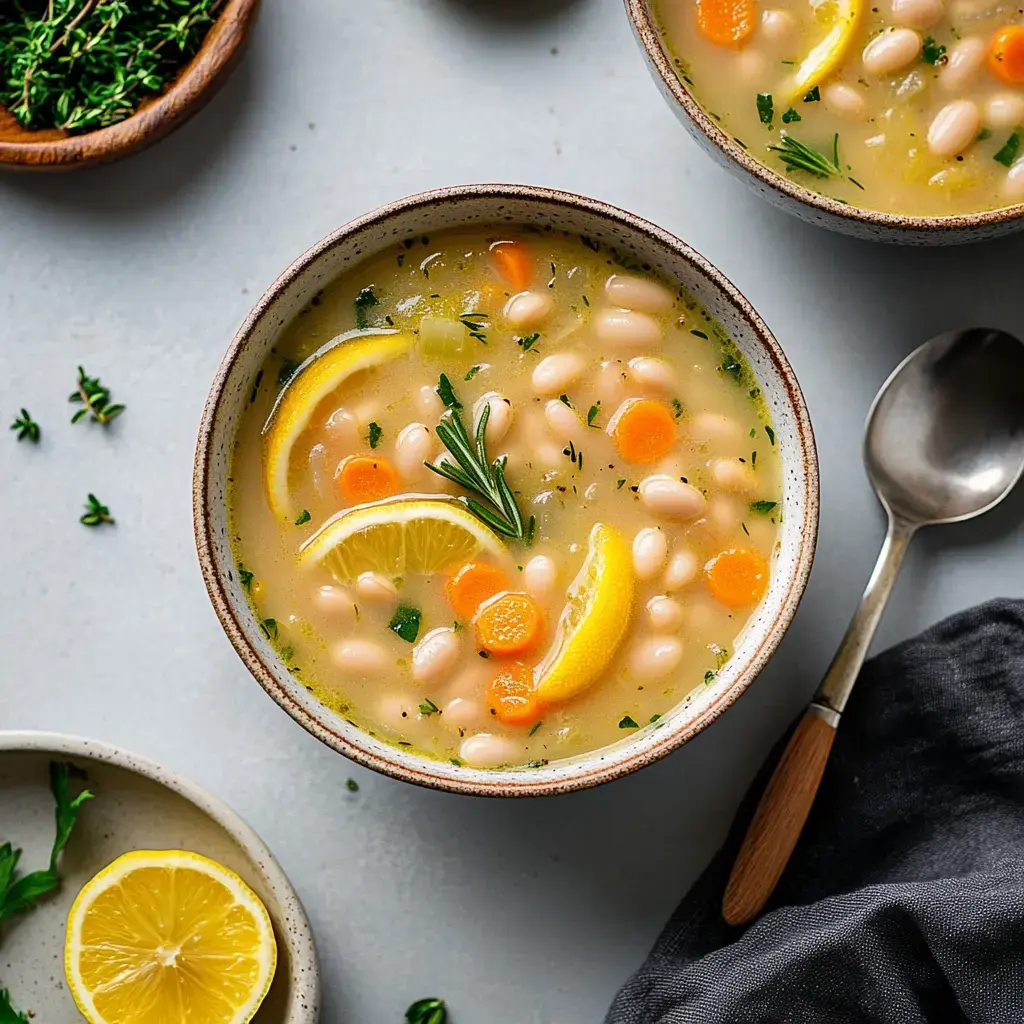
(780, 816)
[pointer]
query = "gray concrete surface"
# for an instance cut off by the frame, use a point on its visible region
(516, 913)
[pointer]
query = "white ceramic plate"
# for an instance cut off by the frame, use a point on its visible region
(138, 806)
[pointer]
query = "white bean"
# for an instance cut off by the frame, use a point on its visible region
(337, 601)
(343, 430)
(564, 423)
(610, 383)
(1013, 187)
(712, 426)
(665, 613)
(435, 655)
(965, 60)
(724, 516)
(360, 658)
(620, 328)
(463, 713)
(485, 750)
(955, 127)
(652, 373)
(376, 589)
(529, 309)
(734, 475)
(1004, 110)
(413, 446)
(395, 710)
(638, 293)
(650, 552)
(751, 65)
(428, 405)
(844, 101)
(540, 576)
(681, 571)
(556, 373)
(779, 28)
(499, 419)
(918, 14)
(891, 50)
(666, 496)
(655, 657)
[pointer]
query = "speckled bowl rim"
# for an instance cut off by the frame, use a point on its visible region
(293, 928)
(642, 18)
(593, 769)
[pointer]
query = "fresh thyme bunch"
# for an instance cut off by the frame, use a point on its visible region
(85, 64)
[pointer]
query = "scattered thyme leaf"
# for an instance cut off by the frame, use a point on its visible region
(620, 483)
(303, 517)
(472, 372)
(428, 708)
(534, 728)
(96, 513)
(527, 343)
(771, 435)
(27, 427)
(94, 399)
(427, 1011)
(654, 718)
(592, 413)
(351, 785)
(763, 508)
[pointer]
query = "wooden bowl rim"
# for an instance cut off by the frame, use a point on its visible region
(155, 118)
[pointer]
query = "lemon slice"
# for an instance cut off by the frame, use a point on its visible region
(594, 620)
(412, 533)
(841, 18)
(324, 371)
(168, 936)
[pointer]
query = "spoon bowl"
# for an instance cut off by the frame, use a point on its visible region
(945, 436)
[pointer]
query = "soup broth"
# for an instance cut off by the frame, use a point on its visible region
(911, 106)
(474, 622)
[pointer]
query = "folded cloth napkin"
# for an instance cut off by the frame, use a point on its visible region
(904, 899)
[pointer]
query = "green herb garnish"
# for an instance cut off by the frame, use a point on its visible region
(473, 471)
(78, 65)
(26, 427)
(527, 343)
(244, 576)
(1008, 154)
(763, 508)
(303, 517)
(627, 723)
(932, 52)
(654, 718)
(765, 107)
(592, 414)
(428, 708)
(268, 627)
(8, 1014)
(95, 400)
(286, 372)
(365, 300)
(428, 1011)
(985, 133)
(800, 157)
(791, 116)
(620, 483)
(475, 324)
(677, 408)
(373, 434)
(709, 677)
(771, 435)
(351, 785)
(564, 399)
(406, 622)
(20, 894)
(534, 728)
(96, 513)
(472, 372)
(814, 96)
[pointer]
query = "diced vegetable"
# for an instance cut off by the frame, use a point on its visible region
(473, 584)
(512, 264)
(441, 337)
(737, 578)
(644, 430)
(509, 625)
(725, 22)
(1006, 54)
(511, 696)
(364, 478)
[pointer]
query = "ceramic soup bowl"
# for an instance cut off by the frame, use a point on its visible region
(650, 246)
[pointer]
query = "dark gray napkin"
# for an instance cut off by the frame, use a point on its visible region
(904, 900)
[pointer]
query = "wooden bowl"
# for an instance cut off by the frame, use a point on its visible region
(52, 149)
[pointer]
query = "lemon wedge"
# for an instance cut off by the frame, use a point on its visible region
(324, 371)
(840, 18)
(594, 621)
(168, 936)
(413, 533)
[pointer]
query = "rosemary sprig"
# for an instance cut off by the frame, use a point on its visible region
(96, 513)
(26, 427)
(85, 64)
(473, 471)
(94, 399)
(797, 156)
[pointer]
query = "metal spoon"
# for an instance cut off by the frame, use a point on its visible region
(944, 443)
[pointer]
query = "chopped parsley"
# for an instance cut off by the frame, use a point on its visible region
(620, 483)
(472, 372)
(564, 399)
(428, 708)
(654, 718)
(244, 576)
(763, 508)
(592, 414)
(765, 108)
(268, 627)
(406, 622)
(374, 434)
(790, 116)
(814, 96)
(527, 343)
(303, 517)
(677, 408)
(932, 52)
(446, 392)
(628, 723)
(364, 301)
(1008, 154)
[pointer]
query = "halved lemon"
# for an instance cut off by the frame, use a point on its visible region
(412, 533)
(840, 18)
(167, 936)
(323, 372)
(594, 621)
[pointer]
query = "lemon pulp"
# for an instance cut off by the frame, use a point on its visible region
(168, 936)
(594, 620)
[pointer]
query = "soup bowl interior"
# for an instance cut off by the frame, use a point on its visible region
(488, 205)
(787, 193)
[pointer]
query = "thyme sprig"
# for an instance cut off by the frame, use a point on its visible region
(94, 399)
(96, 513)
(473, 470)
(26, 427)
(85, 64)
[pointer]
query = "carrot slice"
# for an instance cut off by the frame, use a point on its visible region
(643, 430)
(363, 478)
(1006, 54)
(473, 584)
(725, 22)
(509, 624)
(737, 578)
(511, 696)
(512, 264)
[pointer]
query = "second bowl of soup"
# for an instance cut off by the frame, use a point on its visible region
(504, 491)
